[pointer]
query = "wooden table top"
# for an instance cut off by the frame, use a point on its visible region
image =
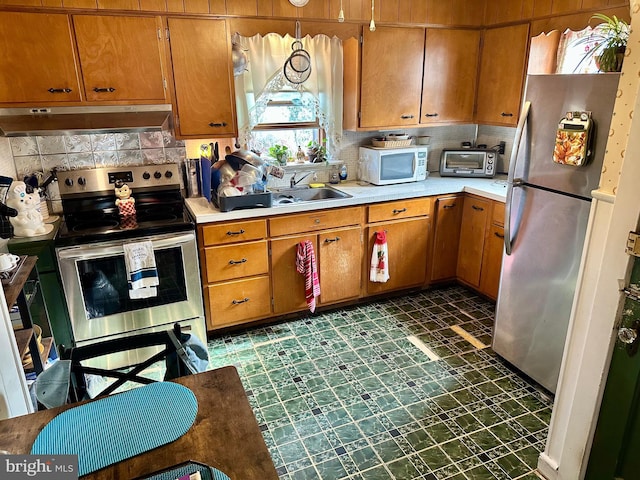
(225, 434)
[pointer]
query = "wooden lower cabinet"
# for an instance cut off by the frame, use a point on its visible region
(339, 260)
(407, 245)
(475, 214)
(448, 220)
(238, 301)
(492, 261)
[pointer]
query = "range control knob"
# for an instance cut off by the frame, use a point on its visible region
(157, 175)
(146, 175)
(68, 182)
(168, 174)
(82, 181)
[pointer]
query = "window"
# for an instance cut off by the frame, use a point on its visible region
(273, 111)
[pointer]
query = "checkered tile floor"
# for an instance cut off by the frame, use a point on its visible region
(389, 390)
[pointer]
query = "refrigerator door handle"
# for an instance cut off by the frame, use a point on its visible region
(511, 181)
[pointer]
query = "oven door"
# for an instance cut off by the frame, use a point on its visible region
(97, 291)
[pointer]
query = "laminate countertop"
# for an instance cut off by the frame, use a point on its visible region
(492, 188)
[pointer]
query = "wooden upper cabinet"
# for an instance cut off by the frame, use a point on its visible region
(391, 87)
(121, 58)
(450, 72)
(38, 62)
(502, 71)
(203, 77)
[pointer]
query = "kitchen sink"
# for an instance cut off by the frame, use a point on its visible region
(286, 196)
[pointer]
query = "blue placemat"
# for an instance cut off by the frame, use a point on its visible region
(121, 426)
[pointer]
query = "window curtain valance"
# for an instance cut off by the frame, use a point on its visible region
(264, 77)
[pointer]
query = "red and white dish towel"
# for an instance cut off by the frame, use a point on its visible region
(380, 259)
(306, 265)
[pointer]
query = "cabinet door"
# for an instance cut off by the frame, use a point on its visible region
(201, 58)
(450, 72)
(446, 237)
(407, 242)
(288, 284)
(492, 261)
(502, 71)
(38, 62)
(120, 57)
(391, 85)
(472, 236)
(340, 264)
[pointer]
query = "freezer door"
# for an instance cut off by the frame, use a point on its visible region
(538, 281)
(551, 97)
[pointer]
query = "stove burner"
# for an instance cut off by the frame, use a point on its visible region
(97, 225)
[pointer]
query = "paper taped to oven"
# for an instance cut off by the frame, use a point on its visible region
(142, 273)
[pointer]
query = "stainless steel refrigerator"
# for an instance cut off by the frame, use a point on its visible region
(547, 210)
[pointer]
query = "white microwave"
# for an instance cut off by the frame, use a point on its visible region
(386, 166)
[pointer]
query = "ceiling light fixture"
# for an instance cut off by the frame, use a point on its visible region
(298, 3)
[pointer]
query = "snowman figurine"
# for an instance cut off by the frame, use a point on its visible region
(125, 202)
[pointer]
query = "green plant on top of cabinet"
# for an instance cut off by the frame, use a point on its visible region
(450, 72)
(391, 81)
(203, 78)
(121, 58)
(38, 61)
(502, 72)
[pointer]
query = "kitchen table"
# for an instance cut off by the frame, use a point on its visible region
(225, 434)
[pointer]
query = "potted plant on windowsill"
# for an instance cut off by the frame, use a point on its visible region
(609, 40)
(317, 151)
(280, 153)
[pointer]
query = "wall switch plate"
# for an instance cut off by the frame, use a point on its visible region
(633, 244)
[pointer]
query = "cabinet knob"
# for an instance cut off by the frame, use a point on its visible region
(505, 114)
(238, 302)
(104, 90)
(213, 124)
(430, 114)
(406, 117)
(59, 90)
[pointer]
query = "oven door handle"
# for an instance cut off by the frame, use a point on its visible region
(84, 252)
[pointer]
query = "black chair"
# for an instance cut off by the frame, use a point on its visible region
(173, 351)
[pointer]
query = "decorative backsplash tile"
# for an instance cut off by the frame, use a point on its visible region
(23, 146)
(77, 143)
(103, 141)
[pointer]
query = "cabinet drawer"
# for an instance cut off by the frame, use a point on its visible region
(498, 213)
(399, 209)
(238, 301)
(227, 262)
(312, 221)
(234, 232)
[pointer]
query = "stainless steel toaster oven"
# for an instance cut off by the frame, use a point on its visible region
(468, 162)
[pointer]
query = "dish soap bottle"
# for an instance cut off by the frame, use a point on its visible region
(343, 173)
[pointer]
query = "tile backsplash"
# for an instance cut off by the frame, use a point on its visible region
(39, 155)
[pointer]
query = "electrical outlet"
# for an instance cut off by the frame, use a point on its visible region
(502, 147)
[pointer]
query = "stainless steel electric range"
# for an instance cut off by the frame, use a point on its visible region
(90, 253)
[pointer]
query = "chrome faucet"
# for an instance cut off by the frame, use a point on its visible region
(293, 182)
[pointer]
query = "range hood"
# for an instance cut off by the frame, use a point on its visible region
(27, 122)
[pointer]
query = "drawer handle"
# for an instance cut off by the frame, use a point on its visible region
(104, 90)
(316, 221)
(475, 207)
(237, 262)
(219, 124)
(59, 90)
(230, 233)
(238, 302)
(406, 117)
(331, 240)
(396, 211)
(453, 205)
(430, 114)
(505, 114)
(499, 235)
